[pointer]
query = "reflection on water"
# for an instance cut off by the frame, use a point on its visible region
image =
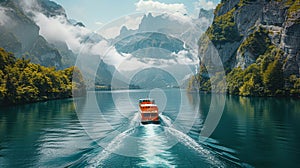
(261, 132)
(264, 131)
(36, 134)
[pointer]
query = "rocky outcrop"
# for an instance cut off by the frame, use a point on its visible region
(290, 43)
(43, 53)
(273, 14)
(23, 28)
(280, 20)
(225, 6)
(209, 14)
(50, 8)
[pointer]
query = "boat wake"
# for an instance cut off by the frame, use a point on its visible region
(209, 149)
(112, 146)
(135, 122)
(191, 143)
(154, 149)
(97, 160)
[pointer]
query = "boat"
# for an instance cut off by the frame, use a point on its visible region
(149, 111)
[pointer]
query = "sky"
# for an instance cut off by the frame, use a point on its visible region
(96, 13)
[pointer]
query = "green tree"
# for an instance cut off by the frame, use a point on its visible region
(235, 80)
(3, 89)
(248, 87)
(27, 94)
(273, 77)
(74, 75)
(6, 59)
(295, 85)
(23, 82)
(224, 29)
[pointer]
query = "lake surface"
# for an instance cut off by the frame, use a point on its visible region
(103, 130)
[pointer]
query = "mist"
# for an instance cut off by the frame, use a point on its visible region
(3, 17)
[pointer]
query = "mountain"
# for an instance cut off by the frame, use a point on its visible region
(20, 34)
(47, 7)
(154, 78)
(176, 25)
(140, 41)
(161, 41)
(258, 43)
(208, 14)
(161, 23)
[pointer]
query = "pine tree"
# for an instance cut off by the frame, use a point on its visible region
(273, 77)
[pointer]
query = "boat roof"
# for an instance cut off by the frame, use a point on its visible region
(151, 105)
(146, 99)
(151, 112)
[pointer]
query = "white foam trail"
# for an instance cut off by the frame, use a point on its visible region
(112, 146)
(191, 143)
(135, 122)
(166, 120)
(153, 149)
(115, 143)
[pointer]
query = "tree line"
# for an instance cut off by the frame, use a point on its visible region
(24, 82)
(265, 77)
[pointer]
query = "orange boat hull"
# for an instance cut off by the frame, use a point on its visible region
(148, 111)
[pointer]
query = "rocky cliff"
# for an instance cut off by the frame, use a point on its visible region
(240, 20)
(249, 32)
(20, 34)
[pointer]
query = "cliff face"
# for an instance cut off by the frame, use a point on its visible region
(258, 42)
(282, 20)
(20, 35)
(243, 30)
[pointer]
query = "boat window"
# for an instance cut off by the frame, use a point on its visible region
(147, 115)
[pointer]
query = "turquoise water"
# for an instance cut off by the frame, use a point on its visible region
(103, 130)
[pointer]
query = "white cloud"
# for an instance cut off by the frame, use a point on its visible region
(107, 53)
(133, 22)
(112, 30)
(57, 29)
(183, 57)
(131, 64)
(183, 19)
(205, 4)
(98, 23)
(174, 11)
(113, 57)
(3, 17)
(155, 6)
(100, 48)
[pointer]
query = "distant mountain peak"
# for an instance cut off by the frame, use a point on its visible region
(80, 24)
(206, 13)
(139, 41)
(51, 8)
(124, 30)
